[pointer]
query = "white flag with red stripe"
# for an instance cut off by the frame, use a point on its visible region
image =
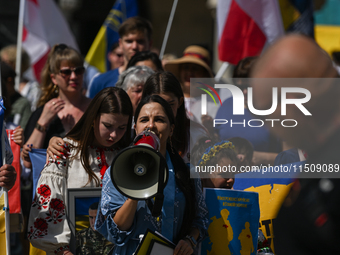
(44, 26)
(246, 26)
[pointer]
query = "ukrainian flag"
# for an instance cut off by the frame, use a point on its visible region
(2, 224)
(327, 29)
(108, 33)
(297, 16)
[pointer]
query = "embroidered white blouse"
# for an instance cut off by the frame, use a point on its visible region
(48, 228)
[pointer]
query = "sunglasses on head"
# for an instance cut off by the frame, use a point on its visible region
(60, 47)
(68, 71)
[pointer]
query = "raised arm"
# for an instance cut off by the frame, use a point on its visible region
(116, 213)
(49, 112)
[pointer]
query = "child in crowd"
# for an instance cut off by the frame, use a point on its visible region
(244, 150)
(222, 161)
(94, 141)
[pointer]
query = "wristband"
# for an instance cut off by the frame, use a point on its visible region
(40, 128)
(192, 240)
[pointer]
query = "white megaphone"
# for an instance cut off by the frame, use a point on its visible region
(140, 172)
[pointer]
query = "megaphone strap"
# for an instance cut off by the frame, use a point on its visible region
(169, 203)
(156, 207)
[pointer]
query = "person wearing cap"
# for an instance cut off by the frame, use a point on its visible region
(195, 63)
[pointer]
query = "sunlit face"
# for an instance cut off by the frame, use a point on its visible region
(172, 101)
(147, 63)
(133, 43)
(92, 218)
(222, 180)
(135, 94)
(153, 116)
(68, 83)
(109, 129)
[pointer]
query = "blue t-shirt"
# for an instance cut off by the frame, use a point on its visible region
(286, 157)
(103, 81)
(260, 137)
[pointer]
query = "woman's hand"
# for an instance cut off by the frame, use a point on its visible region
(50, 110)
(18, 136)
(68, 122)
(184, 247)
(67, 252)
(25, 150)
(56, 147)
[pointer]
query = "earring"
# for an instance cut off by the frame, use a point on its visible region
(56, 89)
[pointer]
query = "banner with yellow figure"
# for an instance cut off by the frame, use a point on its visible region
(272, 192)
(234, 220)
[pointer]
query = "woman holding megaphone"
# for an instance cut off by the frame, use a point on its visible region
(93, 142)
(183, 218)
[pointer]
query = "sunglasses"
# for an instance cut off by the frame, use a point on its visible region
(60, 47)
(68, 71)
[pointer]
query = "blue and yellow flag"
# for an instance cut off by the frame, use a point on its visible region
(297, 16)
(327, 29)
(108, 33)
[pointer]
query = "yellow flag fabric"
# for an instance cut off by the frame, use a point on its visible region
(95, 56)
(328, 37)
(108, 33)
(36, 251)
(288, 12)
(2, 226)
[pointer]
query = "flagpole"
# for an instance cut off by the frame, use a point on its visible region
(19, 43)
(167, 31)
(221, 71)
(6, 204)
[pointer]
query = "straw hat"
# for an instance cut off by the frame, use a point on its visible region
(192, 54)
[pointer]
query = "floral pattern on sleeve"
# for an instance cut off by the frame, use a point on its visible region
(39, 230)
(56, 211)
(42, 197)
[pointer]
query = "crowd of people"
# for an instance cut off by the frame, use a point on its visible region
(83, 129)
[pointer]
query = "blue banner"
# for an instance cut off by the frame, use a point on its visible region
(234, 221)
(38, 159)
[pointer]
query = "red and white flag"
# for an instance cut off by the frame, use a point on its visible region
(44, 26)
(246, 26)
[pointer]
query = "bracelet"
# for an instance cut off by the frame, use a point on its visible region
(40, 128)
(192, 240)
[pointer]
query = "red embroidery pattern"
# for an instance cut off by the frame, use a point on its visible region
(101, 160)
(56, 211)
(39, 230)
(43, 197)
(63, 248)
